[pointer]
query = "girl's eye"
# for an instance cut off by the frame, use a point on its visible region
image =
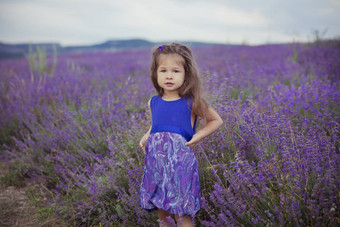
(163, 71)
(176, 71)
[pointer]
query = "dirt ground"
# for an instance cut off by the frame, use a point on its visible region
(18, 209)
(15, 209)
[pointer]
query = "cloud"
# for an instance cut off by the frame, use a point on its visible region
(93, 21)
(168, 21)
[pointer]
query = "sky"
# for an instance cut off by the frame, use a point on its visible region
(86, 22)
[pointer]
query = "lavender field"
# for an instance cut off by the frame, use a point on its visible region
(73, 122)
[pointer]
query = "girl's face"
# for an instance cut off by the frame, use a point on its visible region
(170, 73)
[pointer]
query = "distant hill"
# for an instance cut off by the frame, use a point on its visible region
(19, 50)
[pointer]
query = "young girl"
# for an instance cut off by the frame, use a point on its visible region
(170, 181)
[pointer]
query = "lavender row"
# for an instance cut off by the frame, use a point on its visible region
(275, 161)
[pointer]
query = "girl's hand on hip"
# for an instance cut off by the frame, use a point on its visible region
(142, 144)
(194, 140)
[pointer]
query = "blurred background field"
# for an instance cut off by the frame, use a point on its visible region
(70, 124)
(73, 109)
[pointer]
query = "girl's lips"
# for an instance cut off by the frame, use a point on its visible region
(169, 84)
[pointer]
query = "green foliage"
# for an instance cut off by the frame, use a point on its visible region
(245, 95)
(46, 215)
(37, 60)
(7, 131)
(295, 55)
(14, 176)
(234, 93)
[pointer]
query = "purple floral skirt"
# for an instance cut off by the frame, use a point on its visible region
(170, 180)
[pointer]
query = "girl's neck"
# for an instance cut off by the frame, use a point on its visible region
(171, 96)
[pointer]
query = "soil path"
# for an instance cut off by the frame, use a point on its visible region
(18, 209)
(15, 209)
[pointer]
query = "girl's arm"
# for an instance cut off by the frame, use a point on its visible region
(214, 121)
(142, 142)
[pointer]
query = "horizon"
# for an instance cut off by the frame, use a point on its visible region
(166, 42)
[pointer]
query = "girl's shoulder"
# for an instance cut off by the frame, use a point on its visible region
(188, 100)
(153, 99)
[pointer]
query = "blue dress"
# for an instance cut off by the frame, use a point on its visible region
(171, 178)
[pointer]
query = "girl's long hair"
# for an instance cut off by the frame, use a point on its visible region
(192, 86)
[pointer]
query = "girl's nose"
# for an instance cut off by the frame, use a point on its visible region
(169, 75)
